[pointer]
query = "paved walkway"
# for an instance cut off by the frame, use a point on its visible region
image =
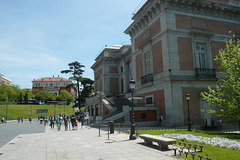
(84, 144)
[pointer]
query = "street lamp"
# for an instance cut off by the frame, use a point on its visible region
(132, 134)
(189, 121)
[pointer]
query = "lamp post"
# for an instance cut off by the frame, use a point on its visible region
(132, 134)
(189, 121)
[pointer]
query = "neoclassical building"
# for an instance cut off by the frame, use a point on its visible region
(52, 84)
(173, 44)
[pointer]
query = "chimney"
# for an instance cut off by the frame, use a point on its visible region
(53, 76)
(58, 75)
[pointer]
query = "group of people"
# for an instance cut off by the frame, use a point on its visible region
(67, 121)
(18, 119)
(214, 125)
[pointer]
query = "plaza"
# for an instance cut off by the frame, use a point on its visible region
(83, 143)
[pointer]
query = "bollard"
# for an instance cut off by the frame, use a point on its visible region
(186, 154)
(201, 148)
(180, 152)
(195, 148)
(175, 150)
(200, 157)
(193, 155)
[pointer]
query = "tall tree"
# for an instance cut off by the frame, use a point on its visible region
(226, 96)
(75, 69)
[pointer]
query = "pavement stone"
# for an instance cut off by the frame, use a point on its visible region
(84, 144)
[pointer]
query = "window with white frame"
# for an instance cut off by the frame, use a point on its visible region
(147, 63)
(149, 100)
(201, 55)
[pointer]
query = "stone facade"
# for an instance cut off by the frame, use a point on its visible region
(173, 45)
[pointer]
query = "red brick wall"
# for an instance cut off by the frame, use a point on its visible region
(114, 85)
(157, 57)
(139, 67)
(149, 116)
(148, 33)
(159, 99)
(105, 110)
(113, 69)
(185, 53)
(194, 105)
(215, 47)
(202, 24)
(120, 120)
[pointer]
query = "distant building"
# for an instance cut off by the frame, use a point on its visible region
(6, 80)
(52, 84)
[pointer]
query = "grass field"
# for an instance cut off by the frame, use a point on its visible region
(216, 153)
(25, 111)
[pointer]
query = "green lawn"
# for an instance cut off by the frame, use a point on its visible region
(216, 153)
(14, 111)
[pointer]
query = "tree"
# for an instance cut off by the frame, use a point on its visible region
(75, 68)
(65, 95)
(226, 96)
(87, 89)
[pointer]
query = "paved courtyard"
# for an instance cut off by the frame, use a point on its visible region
(85, 144)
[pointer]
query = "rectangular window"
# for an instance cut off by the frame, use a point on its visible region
(147, 63)
(149, 100)
(201, 55)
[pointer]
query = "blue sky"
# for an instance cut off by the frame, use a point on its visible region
(39, 38)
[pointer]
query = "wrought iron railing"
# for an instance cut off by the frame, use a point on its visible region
(147, 78)
(205, 72)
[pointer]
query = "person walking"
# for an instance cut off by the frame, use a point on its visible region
(52, 121)
(205, 122)
(59, 122)
(160, 120)
(66, 123)
(30, 119)
(73, 119)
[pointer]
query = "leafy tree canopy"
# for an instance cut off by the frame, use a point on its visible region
(226, 96)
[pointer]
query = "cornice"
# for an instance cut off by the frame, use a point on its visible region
(152, 9)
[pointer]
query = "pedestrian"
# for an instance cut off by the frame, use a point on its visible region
(30, 119)
(52, 121)
(2, 120)
(76, 124)
(22, 119)
(59, 122)
(18, 119)
(66, 123)
(160, 120)
(205, 122)
(73, 119)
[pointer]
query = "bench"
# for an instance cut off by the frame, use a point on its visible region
(162, 141)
